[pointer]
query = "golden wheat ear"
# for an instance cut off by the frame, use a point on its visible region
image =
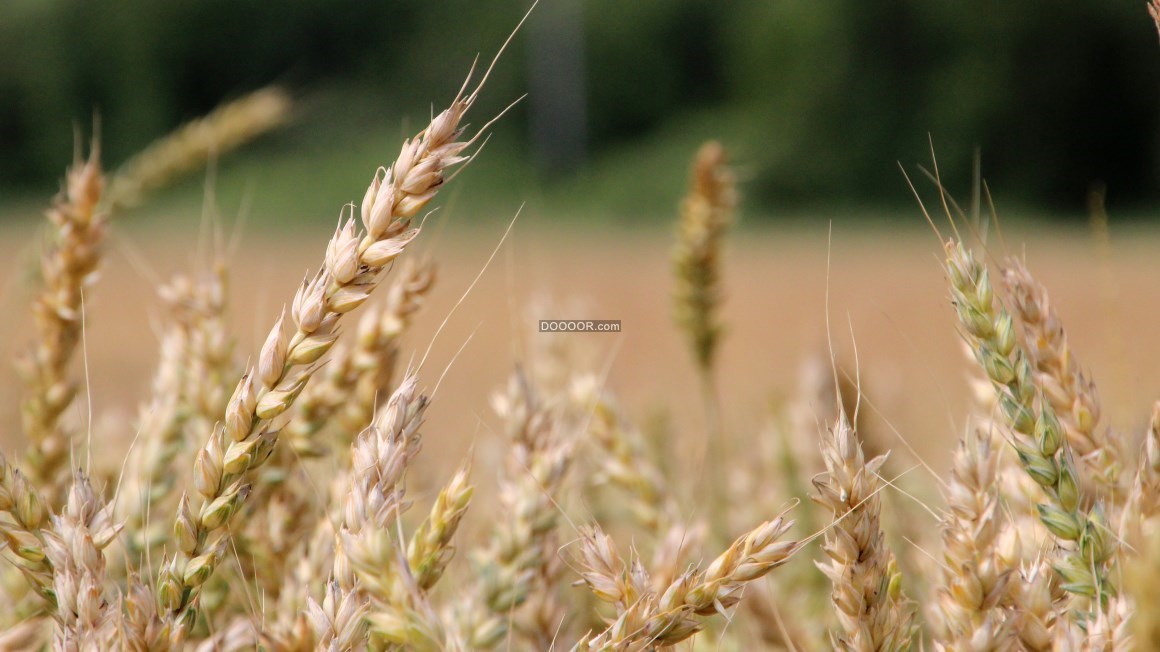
(354, 263)
(873, 612)
(69, 265)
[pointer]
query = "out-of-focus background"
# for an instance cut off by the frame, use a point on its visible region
(817, 103)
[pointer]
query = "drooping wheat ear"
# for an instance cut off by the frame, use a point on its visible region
(189, 147)
(85, 620)
(23, 517)
(873, 612)
(355, 377)
(353, 265)
(705, 215)
(1071, 393)
(975, 577)
(517, 563)
(1039, 439)
(651, 619)
(68, 265)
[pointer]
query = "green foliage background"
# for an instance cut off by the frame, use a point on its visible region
(818, 98)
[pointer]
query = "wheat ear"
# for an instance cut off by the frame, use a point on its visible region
(188, 147)
(366, 553)
(1071, 393)
(194, 350)
(516, 563)
(975, 578)
(23, 517)
(353, 265)
(85, 620)
(648, 619)
(1039, 439)
(356, 375)
(705, 215)
(68, 265)
(872, 610)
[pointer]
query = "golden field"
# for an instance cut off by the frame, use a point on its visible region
(887, 296)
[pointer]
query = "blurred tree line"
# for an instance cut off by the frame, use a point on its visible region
(820, 97)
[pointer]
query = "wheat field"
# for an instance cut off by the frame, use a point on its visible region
(351, 435)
